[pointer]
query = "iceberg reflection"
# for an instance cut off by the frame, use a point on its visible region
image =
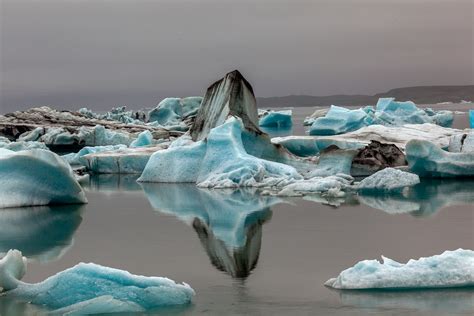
(228, 222)
(441, 300)
(424, 199)
(112, 182)
(42, 233)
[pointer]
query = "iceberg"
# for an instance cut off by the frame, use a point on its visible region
(398, 136)
(145, 138)
(119, 114)
(428, 160)
(333, 161)
(172, 112)
(228, 222)
(275, 119)
(122, 160)
(41, 233)
(387, 112)
(219, 161)
(22, 145)
(388, 180)
(78, 158)
(449, 269)
(328, 187)
(37, 177)
(88, 288)
(338, 120)
(471, 118)
(462, 143)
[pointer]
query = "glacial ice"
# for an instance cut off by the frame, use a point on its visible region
(399, 136)
(78, 158)
(22, 145)
(428, 160)
(462, 142)
(37, 177)
(275, 119)
(333, 161)
(171, 112)
(449, 269)
(145, 138)
(338, 120)
(330, 186)
(471, 118)
(388, 180)
(219, 161)
(41, 233)
(119, 114)
(88, 288)
(387, 112)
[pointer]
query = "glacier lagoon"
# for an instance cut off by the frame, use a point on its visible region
(271, 257)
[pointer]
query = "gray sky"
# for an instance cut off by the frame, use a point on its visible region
(98, 53)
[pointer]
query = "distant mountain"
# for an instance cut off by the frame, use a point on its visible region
(419, 95)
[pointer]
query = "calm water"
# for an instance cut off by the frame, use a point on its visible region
(249, 254)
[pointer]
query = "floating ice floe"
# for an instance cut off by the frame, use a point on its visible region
(449, 269)
(275, 119)
(330, 186)
(89, 288)
(428, 160)
(388, 180)
(399, 136)
(37, 177)
(78, 158)
(22, 145)
(172, 112)
(387, 112)
(462, 143)
(145, 138)
(41, 233)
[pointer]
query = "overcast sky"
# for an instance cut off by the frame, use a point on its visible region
(98, 53)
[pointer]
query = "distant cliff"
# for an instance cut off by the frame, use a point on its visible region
(419, 95)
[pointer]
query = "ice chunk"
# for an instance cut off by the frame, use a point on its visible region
(398, 136)
(171, 112)
(338, 120)
(428, 160)
(41, 233)
(333, 161)
(91, 288)
(37, 177)
(119, 114)
(230, 96)
(471, 118)
(22, 145)
(275, 119)
(123, 160)
(145, 138)
(332, 186)
(388, 180)
(219, 161)
(449, 269)
(78, 158)
(462, 143)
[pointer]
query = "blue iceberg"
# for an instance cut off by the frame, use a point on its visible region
(449, 269)
(22, 145)
(387, 112)
(145, 138)
(275, 119)
(37, 177)
(388, 180)
(219, 161)
(89, 288)
(171, 112)
(338, 120)
(79, 159)
(471, 118)
(428, 160)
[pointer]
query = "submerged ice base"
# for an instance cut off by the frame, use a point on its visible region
(89, 288)
(449, 269)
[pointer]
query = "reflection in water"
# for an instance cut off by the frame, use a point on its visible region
(42, 233)
(426, 198)
(112, 182)
(228, 223)
(440, 300)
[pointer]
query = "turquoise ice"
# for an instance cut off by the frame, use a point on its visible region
(79, 159)
(449, 269)
(37, 177)
(171, 112)
(88, 288)
(338, 120)
(276, 119)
